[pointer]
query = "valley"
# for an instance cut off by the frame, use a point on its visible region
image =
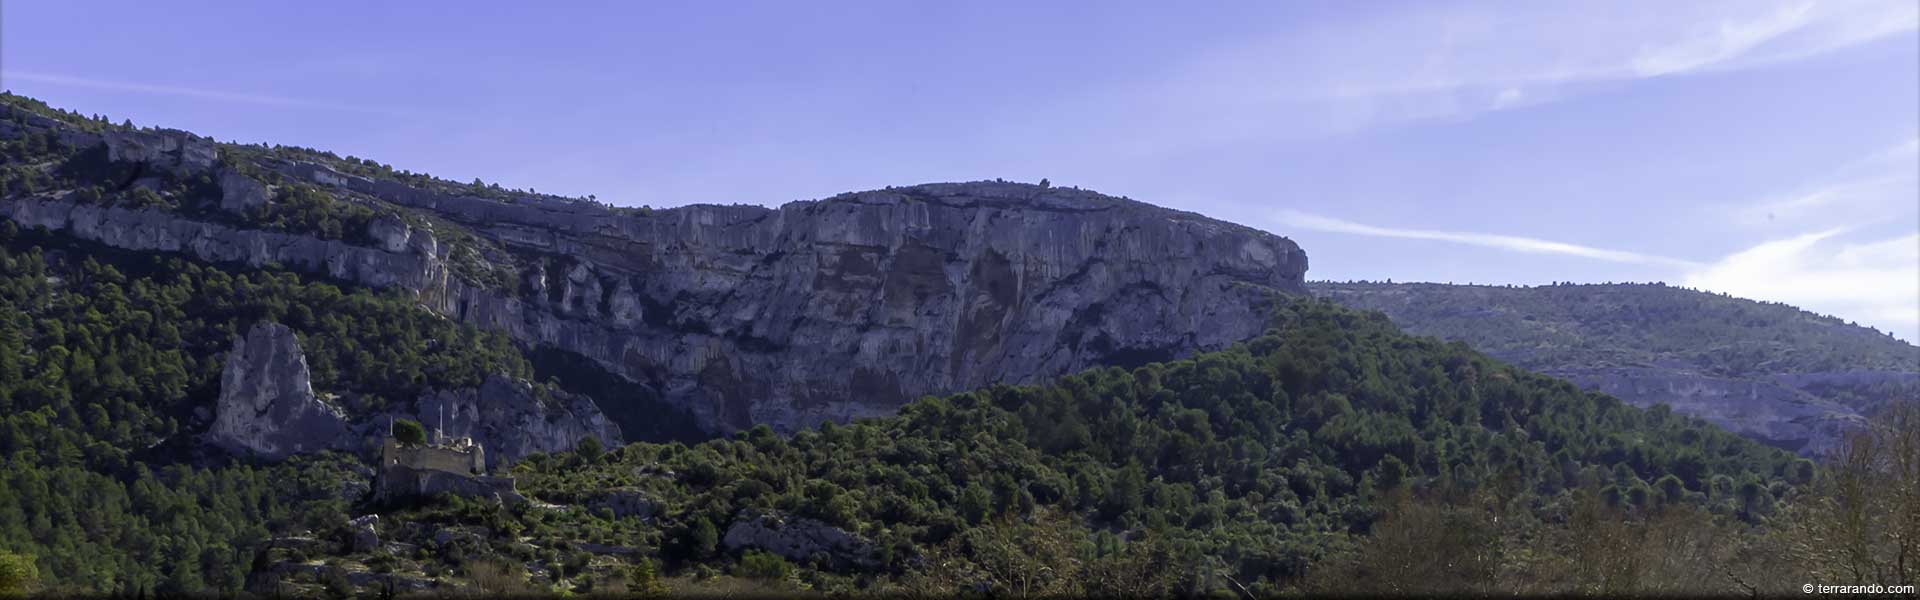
(235, 368)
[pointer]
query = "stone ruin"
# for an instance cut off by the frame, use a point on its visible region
(443, 466)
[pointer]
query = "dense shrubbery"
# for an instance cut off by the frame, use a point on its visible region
(307, 210)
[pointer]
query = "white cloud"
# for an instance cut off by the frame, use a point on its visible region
(1876, 282)
(188, 92)
(1313, 222)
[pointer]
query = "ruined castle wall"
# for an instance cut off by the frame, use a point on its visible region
(434, 459)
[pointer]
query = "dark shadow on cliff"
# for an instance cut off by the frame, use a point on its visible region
(636, 408)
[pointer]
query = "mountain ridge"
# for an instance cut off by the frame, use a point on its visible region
(887, 294)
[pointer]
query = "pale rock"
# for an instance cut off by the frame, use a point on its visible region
(240, 193)
(267, 407)
(171, 150)
(511, 419)
(390, 233)
(365, 538)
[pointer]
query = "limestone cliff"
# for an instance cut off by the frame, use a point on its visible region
(817, 310)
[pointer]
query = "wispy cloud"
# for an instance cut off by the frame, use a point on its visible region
(1878, 187)
(190, 92)
(1445, 61)
(1875, 281)
(1835, 263)
(1529, 245)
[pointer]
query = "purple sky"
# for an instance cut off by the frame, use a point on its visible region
(1765, 149)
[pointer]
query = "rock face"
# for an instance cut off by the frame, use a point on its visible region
(1771, 413)
(1771, 372)
(801, 540)
(267, 407)
(240, 193)
(818, 310)
(512, 419)
(851, 306)
(148, 229)
(169, 150)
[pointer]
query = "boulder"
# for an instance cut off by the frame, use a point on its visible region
(800, 539)
(627, 503)
(240, 193)
(365, 538)
(389, 233)
(267, 407)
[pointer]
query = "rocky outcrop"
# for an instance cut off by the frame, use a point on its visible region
(390, 234)
(625, 503)
(363, 534)
(800, 539)
(170, 150)
(17, 122)
(240, 193)
(148, 229)
(1774, 414)
(512, 418)
(267, 407)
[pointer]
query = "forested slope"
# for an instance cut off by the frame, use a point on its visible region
(1265, 466)
(1779, 374)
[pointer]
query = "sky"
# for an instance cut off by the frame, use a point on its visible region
(1768, 149)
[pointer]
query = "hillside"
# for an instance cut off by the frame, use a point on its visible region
(1333, 454)
(1780, 374)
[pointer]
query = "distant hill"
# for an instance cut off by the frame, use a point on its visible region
(1783, 375)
